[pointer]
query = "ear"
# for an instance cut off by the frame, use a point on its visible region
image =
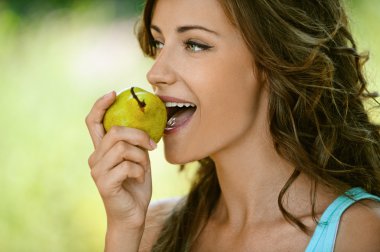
(264, 77)
(260, 73)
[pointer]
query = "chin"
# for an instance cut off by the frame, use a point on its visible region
(180, 158)
(177, 160)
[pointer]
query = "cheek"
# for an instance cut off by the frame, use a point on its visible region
(232, 87)
(226, 90)
(227, 112)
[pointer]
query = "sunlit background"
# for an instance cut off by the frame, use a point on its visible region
(56, 58)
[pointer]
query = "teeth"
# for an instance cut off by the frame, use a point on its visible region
(171, 122)
(179, 104)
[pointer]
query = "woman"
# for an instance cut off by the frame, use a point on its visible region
(286, 148)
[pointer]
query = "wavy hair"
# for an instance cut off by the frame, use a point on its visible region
(317, 114)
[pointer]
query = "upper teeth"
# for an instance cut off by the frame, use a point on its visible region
(179, 104)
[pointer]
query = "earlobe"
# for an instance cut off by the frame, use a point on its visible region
(259, 72)
(264, 77)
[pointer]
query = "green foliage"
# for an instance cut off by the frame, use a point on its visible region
(26, 8)
(52, 68)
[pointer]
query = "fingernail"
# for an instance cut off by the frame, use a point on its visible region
(152, 144)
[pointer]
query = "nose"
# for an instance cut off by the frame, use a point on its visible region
(162, 71)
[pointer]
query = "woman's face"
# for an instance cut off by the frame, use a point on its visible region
(202, 60)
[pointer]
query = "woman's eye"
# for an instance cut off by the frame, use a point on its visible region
(157, 44)
(196, 47)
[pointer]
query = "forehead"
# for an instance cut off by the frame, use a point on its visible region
(184, 12)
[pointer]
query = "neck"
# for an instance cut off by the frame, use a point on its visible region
(251, 175)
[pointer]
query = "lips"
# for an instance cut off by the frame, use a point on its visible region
(179, 112)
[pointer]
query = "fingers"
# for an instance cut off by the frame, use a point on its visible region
(120, 152)
(105, 168)
(94, 119)
(110, 183)
(121, 163)
(134, 137)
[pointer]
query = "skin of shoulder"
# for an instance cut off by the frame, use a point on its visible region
(157, 214)
(359, 228)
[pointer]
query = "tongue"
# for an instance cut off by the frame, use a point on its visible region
(180, 117)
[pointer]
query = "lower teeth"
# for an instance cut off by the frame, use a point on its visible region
(171, 122)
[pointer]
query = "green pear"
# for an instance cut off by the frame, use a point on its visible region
(140, 109)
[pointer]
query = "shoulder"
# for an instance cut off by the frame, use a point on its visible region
(157, 214)
(359, 227)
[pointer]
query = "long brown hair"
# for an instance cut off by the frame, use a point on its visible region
(317, 93)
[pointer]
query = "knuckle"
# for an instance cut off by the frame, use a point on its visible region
(91, 160)
(139, 158)
(147, 140)
(121, 147)
(94, 175)
(143, 136)
(131, 170)
(139, 137)
(125, 168)
(143, 158)
(88, 119)
(114, 132)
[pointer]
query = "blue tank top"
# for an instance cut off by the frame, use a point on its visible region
(325, 233)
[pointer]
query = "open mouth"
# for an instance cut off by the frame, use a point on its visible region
(178, 114)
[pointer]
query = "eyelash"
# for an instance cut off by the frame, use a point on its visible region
(188, 44)
(155, 43)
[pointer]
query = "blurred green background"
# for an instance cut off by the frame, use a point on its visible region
(56, 58)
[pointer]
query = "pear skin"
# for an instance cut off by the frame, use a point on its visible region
(140, 109)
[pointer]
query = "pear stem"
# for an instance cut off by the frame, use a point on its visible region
(142, 104)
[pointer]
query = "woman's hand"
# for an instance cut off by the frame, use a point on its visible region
(120, 167)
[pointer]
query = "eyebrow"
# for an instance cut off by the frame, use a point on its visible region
(183, 29)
